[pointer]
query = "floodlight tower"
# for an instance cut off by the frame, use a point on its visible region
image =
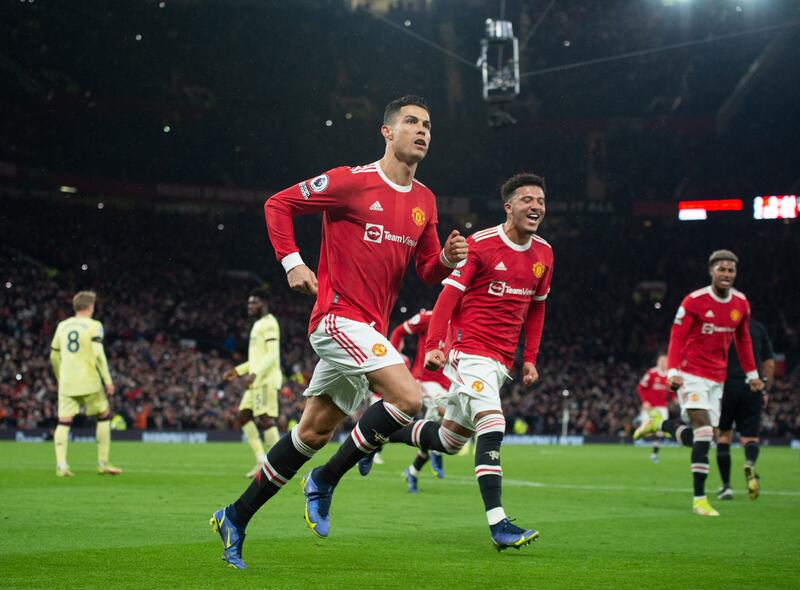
(499, 63)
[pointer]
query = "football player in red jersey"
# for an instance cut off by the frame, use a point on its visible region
(706, 322)
(655, 395)
(488, 300)
(376, 218)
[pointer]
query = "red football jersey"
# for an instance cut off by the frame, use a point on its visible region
(371, 228)
(503, 284)
(702, 332)
(418, 326)
(654, 389)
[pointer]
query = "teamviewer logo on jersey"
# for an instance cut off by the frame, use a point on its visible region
(497, 288)
(373, 233)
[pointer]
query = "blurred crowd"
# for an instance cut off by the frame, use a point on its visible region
(172, 290)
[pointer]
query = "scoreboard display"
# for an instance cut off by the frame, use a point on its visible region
(775, 207)
(764, 207)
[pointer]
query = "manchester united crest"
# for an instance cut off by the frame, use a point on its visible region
(477, 386)
(379, 349)
(538, 270)
(418, 215)
(736, 315)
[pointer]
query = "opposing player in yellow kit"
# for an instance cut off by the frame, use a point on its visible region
(80, 366)
(263, 378)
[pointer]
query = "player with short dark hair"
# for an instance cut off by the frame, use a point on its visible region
(742, 406)
(487, 301)
(262, 377)
(376, 218)
(706, 322)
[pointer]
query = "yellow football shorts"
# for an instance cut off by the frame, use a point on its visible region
(260, 400)
(95, 403)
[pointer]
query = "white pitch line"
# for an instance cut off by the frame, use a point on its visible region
(459, 479)
(465, 480)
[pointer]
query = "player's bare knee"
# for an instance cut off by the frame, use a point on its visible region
(724, 437)
(314, 437)
(396, 386)
(410, 404)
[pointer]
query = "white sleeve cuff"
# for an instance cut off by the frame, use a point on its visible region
(750, 375)
(291, 260)
(452, 283)
(673, 373)
(443, 259)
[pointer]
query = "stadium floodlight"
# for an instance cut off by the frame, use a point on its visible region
(499, 62)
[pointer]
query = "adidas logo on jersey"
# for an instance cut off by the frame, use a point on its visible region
(709, 314)
(376, 206)
(500, 266)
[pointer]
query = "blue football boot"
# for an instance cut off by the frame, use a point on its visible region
(318, 503)
(365, 464)
(232, 538)
(437, 463)
(505, 535)
(411, 480)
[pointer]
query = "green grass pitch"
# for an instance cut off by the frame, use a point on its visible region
(608, 518)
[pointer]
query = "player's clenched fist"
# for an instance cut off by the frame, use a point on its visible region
(455, 248)
(529, 374)
(302, 279)
(675, 382)
(434, 359)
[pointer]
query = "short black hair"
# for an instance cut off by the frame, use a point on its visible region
(720, 255)
(518, 180)
(398, 103)
(261, 293)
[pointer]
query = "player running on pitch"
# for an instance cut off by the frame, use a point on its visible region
(500, 290)
(655, 395)
(376, 218)
(706, 322)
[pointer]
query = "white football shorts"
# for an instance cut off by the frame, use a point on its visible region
(475, 387)
(347, 350)
(698, 393)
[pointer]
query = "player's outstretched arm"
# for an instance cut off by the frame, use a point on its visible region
(448, 300)
(325, 192)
